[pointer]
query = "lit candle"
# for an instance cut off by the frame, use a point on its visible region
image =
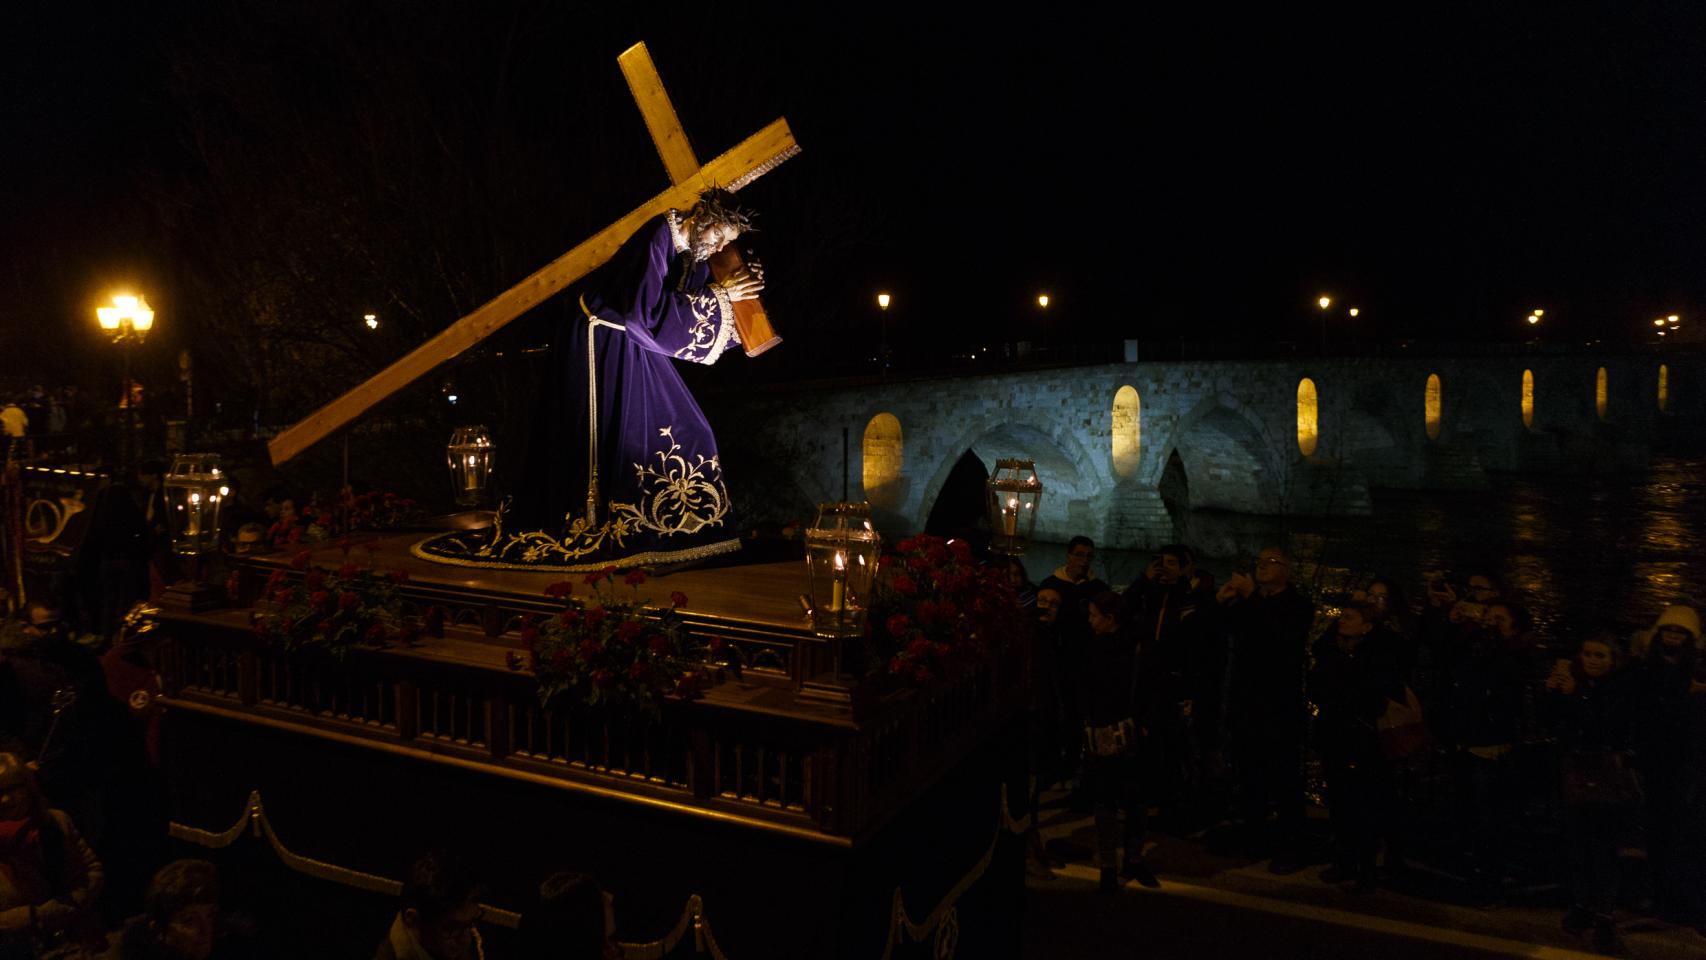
(1010, 516)
(471, 478)
(192, 523)
(838, 586)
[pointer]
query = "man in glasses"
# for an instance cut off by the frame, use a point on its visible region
(1269, 622)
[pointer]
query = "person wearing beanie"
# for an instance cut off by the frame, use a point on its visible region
(1669, 742)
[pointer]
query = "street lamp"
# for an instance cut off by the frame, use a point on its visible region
(1042, 300)
(1324, 302)
(1354, 311)
(372, 320)
(883, 300)
(127, 322)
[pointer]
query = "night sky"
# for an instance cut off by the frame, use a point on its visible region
(1199, 173)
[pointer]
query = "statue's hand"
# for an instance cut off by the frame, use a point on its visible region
(743, 286)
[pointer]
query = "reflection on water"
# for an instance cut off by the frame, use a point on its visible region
(1585, 553)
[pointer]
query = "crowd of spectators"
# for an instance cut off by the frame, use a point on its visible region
(1230, 709)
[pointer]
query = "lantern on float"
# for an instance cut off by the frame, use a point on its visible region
(842, 549)
(1014, 491)
(470, 455)
(196, 489)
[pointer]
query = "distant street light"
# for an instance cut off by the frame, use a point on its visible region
(1533, 318)
(1659, 322)
(1042, 300)
(1354, 311)
(883, 301)
(1539, 312)
(372, 321)
(1324, 303)
(127, 322)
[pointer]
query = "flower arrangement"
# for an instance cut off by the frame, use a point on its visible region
(613, 650)
(322, 520)
(934, 609)
(331, 610)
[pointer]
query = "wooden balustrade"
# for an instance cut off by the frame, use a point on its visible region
(752, 750)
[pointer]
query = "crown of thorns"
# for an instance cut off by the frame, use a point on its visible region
(717, 205)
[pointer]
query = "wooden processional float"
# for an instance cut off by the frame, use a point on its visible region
(751, 159)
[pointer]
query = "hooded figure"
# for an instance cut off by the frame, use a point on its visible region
(1670, 738)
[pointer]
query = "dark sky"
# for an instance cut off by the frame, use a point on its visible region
(1195, 170)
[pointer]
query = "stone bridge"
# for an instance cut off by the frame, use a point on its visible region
(1122, 449)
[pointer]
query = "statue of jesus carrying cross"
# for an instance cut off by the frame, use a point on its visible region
(644, 484)
(625, 469)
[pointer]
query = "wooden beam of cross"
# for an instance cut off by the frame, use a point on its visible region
(754, 157)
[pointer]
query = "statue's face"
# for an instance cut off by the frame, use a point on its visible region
(709, 240)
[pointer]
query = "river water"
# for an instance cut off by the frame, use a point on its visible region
(1584, 553)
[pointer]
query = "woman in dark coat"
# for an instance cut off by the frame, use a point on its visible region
(1111, 707)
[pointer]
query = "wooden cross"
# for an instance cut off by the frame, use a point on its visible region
(754, 157)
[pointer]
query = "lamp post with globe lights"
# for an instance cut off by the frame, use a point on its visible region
(127, 322)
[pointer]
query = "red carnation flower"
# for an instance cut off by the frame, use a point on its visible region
(917, 564)
(324, 519)
(923, 675)
(903, 585)
(936, 553)
(898, 625)
(718, 645)
(594, 616)
(678, 599)
(635, 578)
(927, 611)
(627, 630)
(907, 546)
(562, 588)
(918, 649)
(962, 550)
(593, 578)
(591, 648)
(947, 609)
(327, 626)
(640, 672)
(274, 579)
(896, 664)
(570, 617)
(319, 599)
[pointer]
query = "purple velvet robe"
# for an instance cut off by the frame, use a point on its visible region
(615, 401)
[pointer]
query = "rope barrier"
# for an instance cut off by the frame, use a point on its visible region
(942, 922)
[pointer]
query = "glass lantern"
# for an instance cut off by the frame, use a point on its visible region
(470, 457)
(1014, 492)
(841, 556)
(196, 489)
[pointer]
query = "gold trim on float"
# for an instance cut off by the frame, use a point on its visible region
(501, 770)
(638, 559)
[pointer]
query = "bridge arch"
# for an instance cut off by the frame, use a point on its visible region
(1067, 469)
(1227, 457)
